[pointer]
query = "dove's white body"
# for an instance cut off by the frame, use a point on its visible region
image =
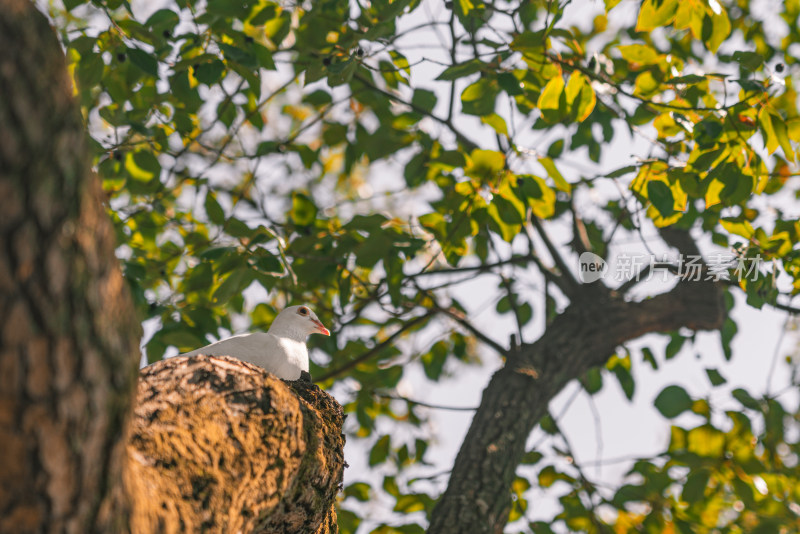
(282, 350)
(283, 357)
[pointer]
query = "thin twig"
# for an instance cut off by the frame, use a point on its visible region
(775, 354)
(374, 350)
(425, 404)
(460, 137)
(458, 317)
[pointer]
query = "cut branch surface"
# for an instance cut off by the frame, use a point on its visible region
(220, 445)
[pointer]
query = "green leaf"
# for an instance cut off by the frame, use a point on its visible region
(239, 55)
(746, 399)
(479, 98)
(460, 70)
(660, 195)
(714, 377)
(380, 451)
(531, 457)
(748, 60)
(180, 336)
(424, 99)
(304, 211)
(649, 357)
(147, 62)
(90, 71)
(72, 4)
(376, 247)
(621, 367)
(224, 8)
(727, 333)
(433, 361)
(213, 209)
(209, 73)
(695, 487)
(234, 284)
(673, 401)
(142, 166)
(674, 346)
(592, 381)
(687, 79)
(163, 19)
(359, 491)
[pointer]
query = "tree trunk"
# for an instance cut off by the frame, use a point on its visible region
(68, 333)
(478, 495)
(217, 445)
(220, 445)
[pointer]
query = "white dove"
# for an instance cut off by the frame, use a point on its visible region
(281, 350)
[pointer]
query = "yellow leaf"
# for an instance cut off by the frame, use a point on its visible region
(690, 15)
(639, 54)
(646, 85)
(712, 193)
(659, 220)
(496, 122)
(580, 96)
(485, 164)
(741, 228)
(561, 183)
(654, 13)
(540, 197)
(706, 441)
(793, 129)
(782, 134)
(549, 100)
(666, 126)
(767, 131)
(720, 29)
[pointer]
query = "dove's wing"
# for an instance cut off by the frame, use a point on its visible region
(276, 355)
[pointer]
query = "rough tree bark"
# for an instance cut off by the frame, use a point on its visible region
(478, 495)
(216, 445)
(220, 445)
(68, 333)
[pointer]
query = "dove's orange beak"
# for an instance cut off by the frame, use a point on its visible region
(320, 329)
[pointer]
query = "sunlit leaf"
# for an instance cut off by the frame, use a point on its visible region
(655, 13)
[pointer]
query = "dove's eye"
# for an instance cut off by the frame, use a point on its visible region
(303, 311)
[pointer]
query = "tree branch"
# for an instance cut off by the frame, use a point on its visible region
(583, 336)
(570, 284)
(484, 267)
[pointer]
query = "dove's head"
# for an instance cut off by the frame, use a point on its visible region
(297, 322)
